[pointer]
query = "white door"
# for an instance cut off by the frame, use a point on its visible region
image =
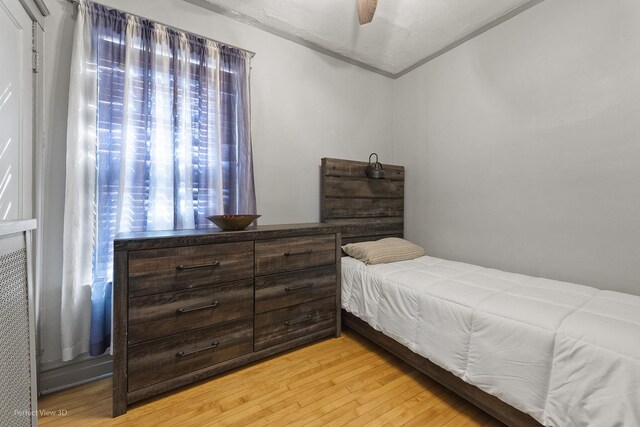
(16, 111)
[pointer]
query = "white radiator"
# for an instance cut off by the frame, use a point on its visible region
(18, 394)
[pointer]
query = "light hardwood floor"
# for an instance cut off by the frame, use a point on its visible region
(343, 381)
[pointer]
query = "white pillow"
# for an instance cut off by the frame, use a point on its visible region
(390, 249)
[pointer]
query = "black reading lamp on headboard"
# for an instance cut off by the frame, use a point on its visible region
(374, 170)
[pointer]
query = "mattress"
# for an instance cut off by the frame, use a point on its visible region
(567, 354)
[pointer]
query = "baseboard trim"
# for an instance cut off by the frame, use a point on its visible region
(74, 373)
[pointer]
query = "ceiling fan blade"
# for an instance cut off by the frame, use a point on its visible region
(366, 10)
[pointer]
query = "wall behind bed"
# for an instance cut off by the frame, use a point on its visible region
(305, 106)
(522, 146)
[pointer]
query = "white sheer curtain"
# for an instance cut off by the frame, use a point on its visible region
(158, 138)
(79, 216)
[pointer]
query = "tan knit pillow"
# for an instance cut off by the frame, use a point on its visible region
(381, 251)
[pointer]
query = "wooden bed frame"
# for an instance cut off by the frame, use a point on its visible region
(371, 209)
(366, 209)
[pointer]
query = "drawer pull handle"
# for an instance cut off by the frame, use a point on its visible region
(182, 267)
(298, 288)
(204, 307)
(190, 353)
(307, 252)
(300, 320)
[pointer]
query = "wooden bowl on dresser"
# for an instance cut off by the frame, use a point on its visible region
(232, 222)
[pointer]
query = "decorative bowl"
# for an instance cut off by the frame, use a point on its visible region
(232, 222)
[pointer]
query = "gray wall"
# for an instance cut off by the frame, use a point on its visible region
(522, 146)
(305, 106)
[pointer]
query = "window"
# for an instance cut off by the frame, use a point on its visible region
(138, 142)
(172, 141)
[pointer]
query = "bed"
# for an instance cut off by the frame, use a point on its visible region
(529, 351)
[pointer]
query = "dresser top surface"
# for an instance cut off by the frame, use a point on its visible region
(169, 238)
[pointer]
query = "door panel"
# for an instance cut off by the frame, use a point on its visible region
(16, 111)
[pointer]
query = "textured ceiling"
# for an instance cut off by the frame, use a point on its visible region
(403, 32)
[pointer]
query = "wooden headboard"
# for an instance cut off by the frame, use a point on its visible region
(367, 209)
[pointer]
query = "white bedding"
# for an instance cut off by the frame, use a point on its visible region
(566, 354)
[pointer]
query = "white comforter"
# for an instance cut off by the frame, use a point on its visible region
(566, 354)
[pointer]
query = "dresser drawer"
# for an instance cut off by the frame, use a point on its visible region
(285, 289)
(278, 326)
(294, 253)
(159, 360)
(154, 271)
(159, 315)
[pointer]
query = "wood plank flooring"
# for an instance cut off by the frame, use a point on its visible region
(343, 381)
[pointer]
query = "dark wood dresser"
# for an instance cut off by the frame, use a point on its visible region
(191, 304)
